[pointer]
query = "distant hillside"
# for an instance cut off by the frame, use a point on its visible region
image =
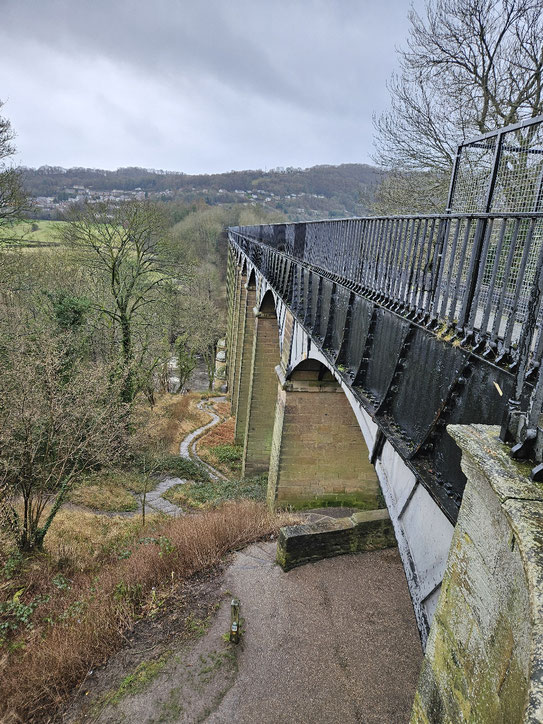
(302, 194)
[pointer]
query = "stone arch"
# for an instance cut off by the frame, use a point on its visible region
(262, 393)
(251, 281)
(244, 342)
(267, 303)
(319, 456)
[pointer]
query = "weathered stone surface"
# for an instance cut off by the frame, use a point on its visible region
(262, 391)
(366, 530)
(244, 362)
(484, 658)
(317, 450)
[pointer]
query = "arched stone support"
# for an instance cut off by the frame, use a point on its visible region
(262, 393)
(245, 343)
(423, 532)
(235, 333)
(318, 454)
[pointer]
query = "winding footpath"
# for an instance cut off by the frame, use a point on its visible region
(154, 500)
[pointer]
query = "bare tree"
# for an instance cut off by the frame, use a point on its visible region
(55, 422)
(121, 243)
(13, 199)
(202, 321)
(470, 66)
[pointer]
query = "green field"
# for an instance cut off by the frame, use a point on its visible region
(33, 233)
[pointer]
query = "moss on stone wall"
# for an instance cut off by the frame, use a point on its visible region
(363, 531)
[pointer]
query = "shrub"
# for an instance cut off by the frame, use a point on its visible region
(199, 495)
(230, 454)
(77, 627)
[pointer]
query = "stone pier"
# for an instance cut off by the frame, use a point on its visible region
(262, 392)
(318, 455)
(243, 370)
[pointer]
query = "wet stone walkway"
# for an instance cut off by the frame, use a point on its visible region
(332, 642)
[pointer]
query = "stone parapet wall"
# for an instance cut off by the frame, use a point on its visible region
(484, 657)
(367, 530)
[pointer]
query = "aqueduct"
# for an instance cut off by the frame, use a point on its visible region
(353, 345)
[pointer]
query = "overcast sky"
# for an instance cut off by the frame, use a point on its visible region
(197, 85)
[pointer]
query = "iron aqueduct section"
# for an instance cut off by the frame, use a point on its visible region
(422, 321)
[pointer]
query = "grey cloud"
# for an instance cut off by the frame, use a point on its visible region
(254, 75)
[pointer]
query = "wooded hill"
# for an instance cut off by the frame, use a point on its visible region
(320, 190)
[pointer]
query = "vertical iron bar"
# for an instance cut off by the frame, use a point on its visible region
(425, 292)
(454, 176)
(405, 261)
(495, 266)
(401, 261)
(479, 237)
(441, 251)
(506, 272)
(461, 260)
(520, 278)
(525, 342)
(415, 296)
(390, 262)
(480, 275)
(410, 290)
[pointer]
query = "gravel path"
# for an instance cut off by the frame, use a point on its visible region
(332, 642)
(154, 499)
(188, 446)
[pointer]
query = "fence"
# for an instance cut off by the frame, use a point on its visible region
(500, 171)
(473, 272)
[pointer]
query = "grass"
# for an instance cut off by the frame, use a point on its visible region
(137, 681)
(83, 601)
(108, 498)
(46, 233)
(172, 708)
(198, 496)
(81, 541)
(111, 490)
(217, 447)
(228, 455)
(180, 467)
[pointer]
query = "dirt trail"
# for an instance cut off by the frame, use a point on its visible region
(154, 500)
(333, 641)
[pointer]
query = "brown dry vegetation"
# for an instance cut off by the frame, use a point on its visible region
(171, 419)
(222, 409)
(100, 497)
(109, 490)
(81, 541)
(219, 436)
(84, 610)
(66, 610)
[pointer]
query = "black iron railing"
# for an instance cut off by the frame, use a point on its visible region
(500, 171)
(475, 272)
(472, 272)
(474, 277)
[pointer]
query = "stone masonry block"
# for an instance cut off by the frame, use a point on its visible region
(364, 531)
